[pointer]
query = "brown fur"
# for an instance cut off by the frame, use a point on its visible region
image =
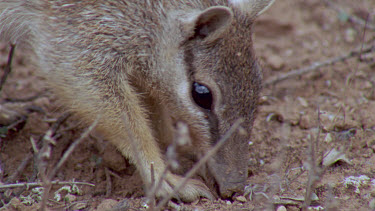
(138, 59)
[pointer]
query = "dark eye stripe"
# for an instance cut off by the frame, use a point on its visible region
(202, 96)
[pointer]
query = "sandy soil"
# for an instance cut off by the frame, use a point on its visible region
(288, 133)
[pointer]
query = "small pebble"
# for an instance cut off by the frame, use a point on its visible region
(264, 100)
(241, 199)
(276, 62)
(350, 35)
(328, 138)
(281, 208)
(70, 198)
(302, 101)
(317, 208)
(228, 202)
(367, 85)
(305, 122)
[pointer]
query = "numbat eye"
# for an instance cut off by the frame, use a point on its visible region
(202, 96)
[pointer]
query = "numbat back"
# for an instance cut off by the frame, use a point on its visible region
(145, 66)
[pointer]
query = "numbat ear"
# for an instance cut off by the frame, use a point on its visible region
(213, 21)
(253, 8)
(210, 23)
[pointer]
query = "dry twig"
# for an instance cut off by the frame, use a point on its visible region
(44, 155)
(42, 163)
(182, 138)
(315, 66)
(314, 169)
(29, 156)
(72, 147)
(59, 121)
(360, 54)
(55, 126)
(40, 184)
(201, 162)
(20, 168)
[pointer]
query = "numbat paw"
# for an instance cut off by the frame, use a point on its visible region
(191, 191)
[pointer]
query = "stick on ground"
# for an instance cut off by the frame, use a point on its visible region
(315, 66)
(40, 184)
(46, 180)
(20, 168)
(314, 168)
(181, 139)
(201, 162)
(72, 147)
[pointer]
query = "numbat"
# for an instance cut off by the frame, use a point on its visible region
(145, 66)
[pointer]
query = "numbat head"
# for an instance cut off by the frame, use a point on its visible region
(145, 66)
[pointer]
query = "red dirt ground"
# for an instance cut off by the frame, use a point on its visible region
(291, 35)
